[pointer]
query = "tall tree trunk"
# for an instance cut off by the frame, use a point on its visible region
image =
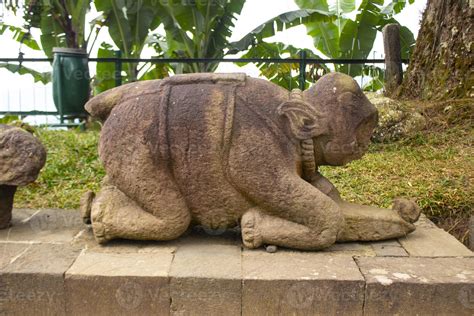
(441, 66)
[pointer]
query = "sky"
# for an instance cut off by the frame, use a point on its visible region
(21, 93)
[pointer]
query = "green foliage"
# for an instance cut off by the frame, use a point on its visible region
(279, 23)
(104, 78)
(62, 23)
(334, 34)
(7, 119)
(199, 29)
(43, 77)
(129, 23)
(378, 78)
(20, 35)
(284, 74)
(354, 39)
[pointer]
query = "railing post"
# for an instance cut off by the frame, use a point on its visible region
(118, 68)
(302, 75)
(393, 58)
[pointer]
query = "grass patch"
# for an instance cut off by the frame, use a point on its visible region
(72, 168)
(435, 167)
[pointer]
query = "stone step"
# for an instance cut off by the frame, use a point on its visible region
(50, 265)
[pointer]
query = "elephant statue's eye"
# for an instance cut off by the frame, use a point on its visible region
(347, 99)
(307, 122)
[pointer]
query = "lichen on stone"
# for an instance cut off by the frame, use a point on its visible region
(396, 120)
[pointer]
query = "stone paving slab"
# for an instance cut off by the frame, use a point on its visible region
(33, 282)
(389, 248)
(51, 264)
(433, 242)
(46, 225)
(206, 279)
(300, 283)
(122, 283)
(418, 286)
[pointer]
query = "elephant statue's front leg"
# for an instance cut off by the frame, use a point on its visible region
(367, 222)
(289, 211)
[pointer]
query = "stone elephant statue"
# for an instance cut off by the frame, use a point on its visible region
(227, 150)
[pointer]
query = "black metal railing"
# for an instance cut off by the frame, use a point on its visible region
(302, 62)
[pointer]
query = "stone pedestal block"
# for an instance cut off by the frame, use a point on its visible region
(100, 283)
(295, 283)
(206, 280)
(418, 286)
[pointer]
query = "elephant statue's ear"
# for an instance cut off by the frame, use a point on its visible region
(303, 120)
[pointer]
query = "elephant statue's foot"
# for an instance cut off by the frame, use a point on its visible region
(407, 209)
(86, 206)
(251, 237)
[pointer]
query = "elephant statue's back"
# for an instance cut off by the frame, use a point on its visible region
(183, 126)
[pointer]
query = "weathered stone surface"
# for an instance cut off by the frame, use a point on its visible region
(389, 249)
(369, 223)
(395, 119)
(433, 242)
(121, 283)
(393, 58)
(85, 240)
(46, 225)
(196, 150)
(295, 283)
(206, 280)
(418, 286)
(352, 249)
(423, 221)
(21, 155)
(33, 284)
(21, 158)
(10, 251)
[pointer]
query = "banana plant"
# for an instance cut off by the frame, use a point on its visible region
(199, 29)
(354, 38)
(285, 75)
(334, 33)
(61, 23)
(129, 23)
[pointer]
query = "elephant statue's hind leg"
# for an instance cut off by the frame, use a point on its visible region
(259, 228)
(114, 215)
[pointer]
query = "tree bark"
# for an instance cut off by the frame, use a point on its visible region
(441, 66)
